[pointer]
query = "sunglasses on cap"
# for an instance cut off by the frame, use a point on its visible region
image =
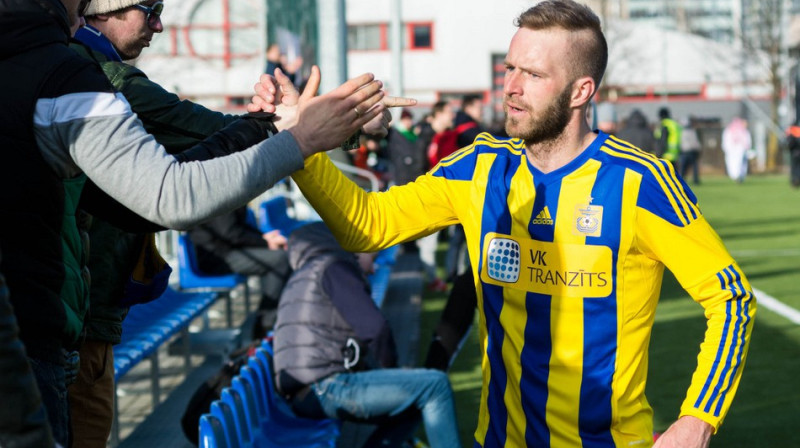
(152, 13)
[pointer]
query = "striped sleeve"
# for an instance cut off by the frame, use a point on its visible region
(731, 309)
(365, 221)
(700, 262)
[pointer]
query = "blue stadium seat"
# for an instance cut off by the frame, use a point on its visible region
(272, 214)
(379, 280)
(282, 427)
(255, 378)
(224, 413)
(190, 275)
(243, 430)
(192, 278)
(248, 394)
(212, 434)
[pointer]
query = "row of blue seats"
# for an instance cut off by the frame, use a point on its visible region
(148, 326)
(251, 414)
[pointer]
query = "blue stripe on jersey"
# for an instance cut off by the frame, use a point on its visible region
(737, 341)
(496, 217)
(748, 300)
(535, 359)
(458, 166)
(659, 167)
(600, 323)
(723, 278)
(535, 356)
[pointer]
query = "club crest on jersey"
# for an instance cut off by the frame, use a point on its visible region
(589, 219)
(503, 260)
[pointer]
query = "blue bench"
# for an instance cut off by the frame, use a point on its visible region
(147, 327)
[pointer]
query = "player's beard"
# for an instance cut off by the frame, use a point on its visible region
(545, 126)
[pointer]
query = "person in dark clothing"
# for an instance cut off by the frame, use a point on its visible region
(276, 59)
(229, 243)
(793, 143)
(467, 125)
(406, 155)
(637, 131)
(62, 124)
(23, 421)
(690, 151)
(454, 323)
(335, 353)
(468, 120)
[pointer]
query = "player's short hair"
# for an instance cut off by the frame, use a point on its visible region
(591, 52)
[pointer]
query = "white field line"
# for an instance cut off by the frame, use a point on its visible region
(776, 306)
(761, 253)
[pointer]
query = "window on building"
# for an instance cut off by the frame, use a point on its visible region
(420, 36)
(367, 37)
(376, 36)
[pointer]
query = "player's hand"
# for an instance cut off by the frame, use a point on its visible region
(275, 240)
(325, 121)
(686, 432)
(266, 96)
(379, 126)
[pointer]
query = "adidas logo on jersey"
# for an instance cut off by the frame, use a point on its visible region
(544, 217)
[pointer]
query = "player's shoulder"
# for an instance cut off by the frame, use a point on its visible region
(486, 142)
(661, 190)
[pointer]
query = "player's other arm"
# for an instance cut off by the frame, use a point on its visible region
(695, 254)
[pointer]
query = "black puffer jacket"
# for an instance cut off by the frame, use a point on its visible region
(44, 258)
(23, 422)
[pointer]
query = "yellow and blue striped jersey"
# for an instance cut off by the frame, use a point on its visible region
(568, 268)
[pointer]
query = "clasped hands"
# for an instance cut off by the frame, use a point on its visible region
(323, 122)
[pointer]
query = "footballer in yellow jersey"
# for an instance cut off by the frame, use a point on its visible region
(568, 266)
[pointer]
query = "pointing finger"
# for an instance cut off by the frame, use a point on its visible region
(398, 101)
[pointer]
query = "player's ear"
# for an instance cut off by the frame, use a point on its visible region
(582, 91)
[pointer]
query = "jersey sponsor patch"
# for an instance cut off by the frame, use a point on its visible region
(570, 270)
(504, 260)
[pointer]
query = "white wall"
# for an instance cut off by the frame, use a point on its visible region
(465, 35)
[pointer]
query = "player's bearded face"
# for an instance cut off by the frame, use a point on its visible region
(543, 126)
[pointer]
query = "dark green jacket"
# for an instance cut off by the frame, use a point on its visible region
(178, 125)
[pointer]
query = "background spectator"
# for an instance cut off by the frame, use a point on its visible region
(637, 132)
